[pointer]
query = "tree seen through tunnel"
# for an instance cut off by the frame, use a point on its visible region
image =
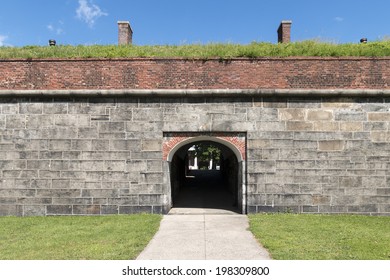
(204, 156)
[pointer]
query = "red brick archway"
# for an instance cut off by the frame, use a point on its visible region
(236, 141)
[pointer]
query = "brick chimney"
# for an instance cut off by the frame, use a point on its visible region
(284, 31)
(125, 34)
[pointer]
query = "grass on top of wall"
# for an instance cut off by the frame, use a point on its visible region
(120, 237)
(202, 51)
(323, 237)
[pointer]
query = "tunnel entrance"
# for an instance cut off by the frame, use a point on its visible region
(205, 177)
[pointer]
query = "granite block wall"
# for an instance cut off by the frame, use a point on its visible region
(104, 155)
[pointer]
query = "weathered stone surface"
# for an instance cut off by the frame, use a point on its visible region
(319, 115)
(11, 210)
(292, 114)
(380, 136)
(326, 126)
(34, 210)
(151, 145)
(351, 126)
(30, 108)
(86, 209)
(331, 145)
(59, 210)
(300, 126)
(375, 117)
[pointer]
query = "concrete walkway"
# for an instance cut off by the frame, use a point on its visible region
(204, 237)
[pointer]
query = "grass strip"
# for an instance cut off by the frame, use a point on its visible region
(323, 237)
(120, 237)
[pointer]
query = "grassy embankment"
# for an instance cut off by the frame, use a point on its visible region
(223, 51)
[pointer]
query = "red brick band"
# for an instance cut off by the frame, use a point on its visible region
(171, 140)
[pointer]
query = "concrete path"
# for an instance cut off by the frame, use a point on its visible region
(204, 237)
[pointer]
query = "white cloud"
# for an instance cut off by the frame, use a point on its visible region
(55, 29)
(89, 12)
(338, 19)
(2, 40)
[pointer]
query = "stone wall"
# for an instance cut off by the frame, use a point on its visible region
(103, 155)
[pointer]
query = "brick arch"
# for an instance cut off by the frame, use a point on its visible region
(174, 141)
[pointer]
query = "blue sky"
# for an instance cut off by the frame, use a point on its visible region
(174, 22)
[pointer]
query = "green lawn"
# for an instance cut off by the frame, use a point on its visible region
(323, 237)
(286, 236)
(120, 237)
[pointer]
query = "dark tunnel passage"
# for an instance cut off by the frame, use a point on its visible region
(205, 175)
